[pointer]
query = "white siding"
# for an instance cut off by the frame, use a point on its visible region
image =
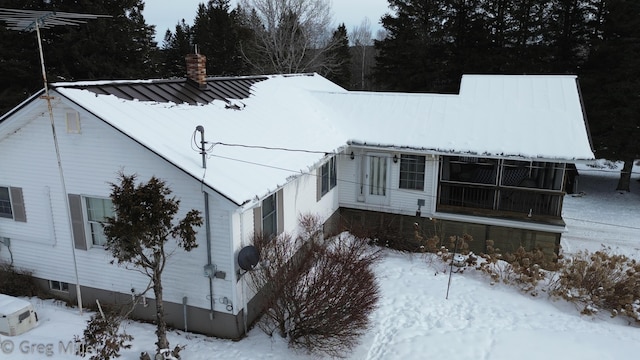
(400, 201)
(91, 160)
(300, 197)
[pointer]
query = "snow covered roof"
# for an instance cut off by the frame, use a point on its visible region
(494, 115)
(527, 116)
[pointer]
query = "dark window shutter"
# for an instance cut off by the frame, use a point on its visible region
(257, 220)
(77, 222)
(280, 211)
(319, 183)
(17, 204)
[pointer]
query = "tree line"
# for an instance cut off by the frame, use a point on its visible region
(426, 46)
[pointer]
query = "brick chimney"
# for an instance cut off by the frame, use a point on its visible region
(197, 69)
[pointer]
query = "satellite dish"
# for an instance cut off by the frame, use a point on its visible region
(248, 258)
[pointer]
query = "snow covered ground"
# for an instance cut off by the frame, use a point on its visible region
(415, 320)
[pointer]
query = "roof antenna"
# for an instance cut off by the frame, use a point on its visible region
(200, 128)
(30, 20)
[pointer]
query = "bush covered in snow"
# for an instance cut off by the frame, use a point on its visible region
(600, 281)
(522, 268)
(317, 293)
(596, 281)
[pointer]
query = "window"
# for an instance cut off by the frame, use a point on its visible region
(5, 203)
(24, 316)
(58, 286)
(328, 176)
(12, 204)
(412, 172)
(269, 217)
(98, 210)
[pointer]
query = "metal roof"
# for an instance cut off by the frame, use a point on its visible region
(179, 91)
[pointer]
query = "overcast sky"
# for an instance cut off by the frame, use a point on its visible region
(165, 14)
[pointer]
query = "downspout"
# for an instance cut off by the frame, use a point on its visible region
(184, 312)
(209, 271)
(209, 264)
(242, 279)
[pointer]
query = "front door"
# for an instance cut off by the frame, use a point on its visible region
(377, 179)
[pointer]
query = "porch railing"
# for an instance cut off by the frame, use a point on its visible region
(501, 200)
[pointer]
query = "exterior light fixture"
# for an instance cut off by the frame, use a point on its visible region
(395, 158)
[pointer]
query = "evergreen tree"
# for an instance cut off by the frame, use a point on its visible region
(466, 39)
(611, 84)
(340, 72)
(567, 34)
(20, 71)
(138, 234)
(431, 43)
(118, 47)
(174, 49)
(514, 30)
(218, 34)
(413, 55)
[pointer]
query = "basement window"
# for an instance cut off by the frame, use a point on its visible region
(58, 286)
(73, 122)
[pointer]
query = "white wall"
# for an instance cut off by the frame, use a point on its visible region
(91, 160)
(399, 201)
(299, 197)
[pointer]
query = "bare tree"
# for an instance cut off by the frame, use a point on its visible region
(362, 43)
(381, 34)
(290, 36)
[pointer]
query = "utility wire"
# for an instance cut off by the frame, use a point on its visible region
(602, 223)
(390, 190)
(274, 148)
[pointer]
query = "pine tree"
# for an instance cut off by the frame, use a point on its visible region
(611, 84)
(413, 55)
(340, 56)
(218, 33)
(174, 49)
(19, 70)
(567, 34)
(139, 232)
(118, 47)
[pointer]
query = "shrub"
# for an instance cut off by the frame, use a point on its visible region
(525, 269)
(17, 282)
(600, 280)
(318, 293)
(102, 338)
